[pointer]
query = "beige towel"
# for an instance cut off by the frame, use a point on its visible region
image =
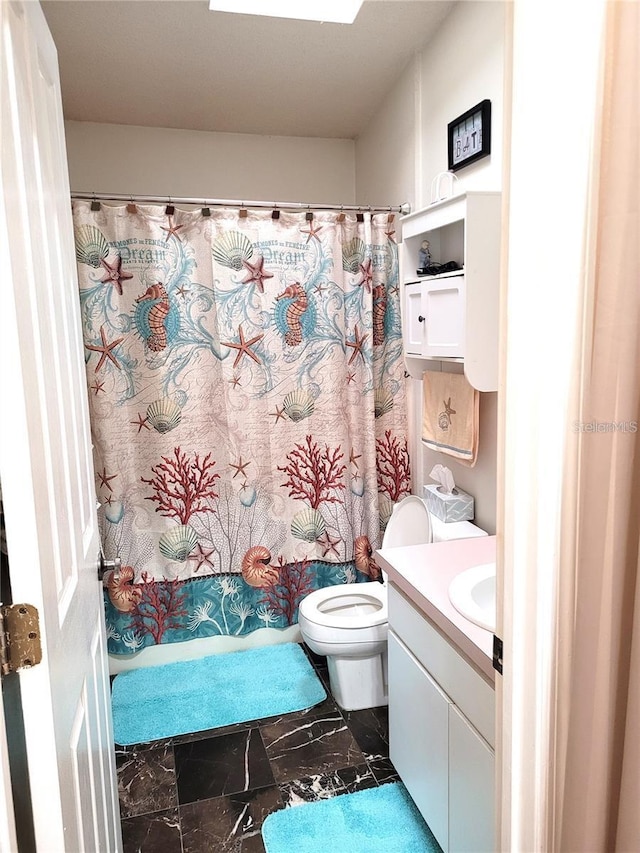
(450, 415)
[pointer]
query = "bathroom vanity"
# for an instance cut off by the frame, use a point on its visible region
(441, 692)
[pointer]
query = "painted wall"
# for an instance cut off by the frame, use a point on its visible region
(385, 154)
(405, 146)
(114, 158)
(462, 66)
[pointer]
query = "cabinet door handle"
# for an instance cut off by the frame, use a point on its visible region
(421, 319)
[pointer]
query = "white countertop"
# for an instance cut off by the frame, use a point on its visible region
(423, 573)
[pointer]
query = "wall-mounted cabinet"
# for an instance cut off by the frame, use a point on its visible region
(454, 315)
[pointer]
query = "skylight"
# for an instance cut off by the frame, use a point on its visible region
(329, 11)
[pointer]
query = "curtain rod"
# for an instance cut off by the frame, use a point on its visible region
(403, 209)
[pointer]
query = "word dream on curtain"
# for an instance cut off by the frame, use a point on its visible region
(247, 401)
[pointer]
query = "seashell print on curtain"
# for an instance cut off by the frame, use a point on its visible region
(247, 402)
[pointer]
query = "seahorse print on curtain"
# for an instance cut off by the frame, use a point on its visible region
(247, 401)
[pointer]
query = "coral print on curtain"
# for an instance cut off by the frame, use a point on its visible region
(247, 402)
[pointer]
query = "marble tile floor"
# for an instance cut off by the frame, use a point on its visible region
(209, 792)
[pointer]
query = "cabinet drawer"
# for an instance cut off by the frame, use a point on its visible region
(457, 678)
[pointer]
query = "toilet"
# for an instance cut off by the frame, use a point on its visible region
(348, 623)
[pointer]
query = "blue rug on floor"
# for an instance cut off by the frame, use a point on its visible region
(378, 820)
(195, 695)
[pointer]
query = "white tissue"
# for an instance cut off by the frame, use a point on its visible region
(442, 475)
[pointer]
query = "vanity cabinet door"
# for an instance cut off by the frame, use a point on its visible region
(418, 737)
(471, 788)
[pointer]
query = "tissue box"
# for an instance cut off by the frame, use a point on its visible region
(455, 507)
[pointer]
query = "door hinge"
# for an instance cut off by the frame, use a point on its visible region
(19, 637)
(497, 654)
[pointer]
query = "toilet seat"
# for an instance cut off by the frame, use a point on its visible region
(409, 524)
(348, 606)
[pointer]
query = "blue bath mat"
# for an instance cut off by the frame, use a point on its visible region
(378, 820)
(195, 695)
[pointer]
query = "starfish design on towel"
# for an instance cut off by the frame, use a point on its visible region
(256, 273)
(357, 344)
(114, 275)
(244, 347)
(97, 386)
(105, 350)
(444, 418)
(353, 457)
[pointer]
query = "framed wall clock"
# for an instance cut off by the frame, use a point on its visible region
(470, 136)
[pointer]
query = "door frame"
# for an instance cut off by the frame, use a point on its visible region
(548, 207)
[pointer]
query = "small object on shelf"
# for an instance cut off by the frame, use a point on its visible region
(438, 269)
(424, 255)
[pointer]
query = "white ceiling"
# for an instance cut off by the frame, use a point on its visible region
(172, 63)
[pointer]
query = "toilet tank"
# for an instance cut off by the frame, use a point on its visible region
(443, 532)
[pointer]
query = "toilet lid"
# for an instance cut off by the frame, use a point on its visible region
(409, 524)
(352, 605)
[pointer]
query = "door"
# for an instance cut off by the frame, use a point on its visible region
(45, 456)
(471, 788)
(8, 838)
(413, 320)
(443, 305)
(418, 737)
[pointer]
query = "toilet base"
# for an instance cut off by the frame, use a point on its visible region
(358, 683)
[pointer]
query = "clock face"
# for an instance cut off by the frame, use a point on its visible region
(467, 138)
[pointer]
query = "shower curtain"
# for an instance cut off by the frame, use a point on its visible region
(247, 401)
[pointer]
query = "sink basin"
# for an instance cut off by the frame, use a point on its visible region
(473, 594)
